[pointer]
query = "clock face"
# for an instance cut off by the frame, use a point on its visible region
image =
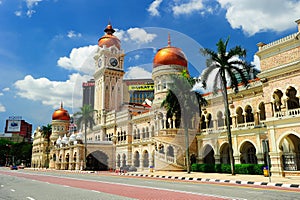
(100, 62)
(113, 62)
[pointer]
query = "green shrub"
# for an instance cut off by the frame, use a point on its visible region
(226, 168)
(218, 168)
(258, 169)
(194, 167)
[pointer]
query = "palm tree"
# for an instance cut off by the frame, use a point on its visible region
(85, 119)
(184, 103)
(231, 70)
(46, 133)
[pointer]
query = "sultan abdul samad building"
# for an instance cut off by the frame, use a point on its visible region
(141, 135)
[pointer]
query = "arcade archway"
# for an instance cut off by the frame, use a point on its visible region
(290, 147)
(97, 161)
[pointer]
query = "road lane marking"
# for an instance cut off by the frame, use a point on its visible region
(12, 190)
(2, 185)
(30, 198)
(95, 191)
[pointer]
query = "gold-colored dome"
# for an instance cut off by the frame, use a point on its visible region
(60, 114)
(109, 39)
(169, 56)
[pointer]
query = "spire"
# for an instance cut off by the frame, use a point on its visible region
(61, 105)
(169, 40)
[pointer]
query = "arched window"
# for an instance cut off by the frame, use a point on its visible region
(220, 119)
(136, 161)
(277, 95)
(249, 114)
(147, 133)
(118, 160)
(134, 135)
(240, 117)
(209, 121)
(248, 154)
(262, 111)
(203, 122)
(145, 159)
(292, 101)
(138, 134)
(143, 133)
(170, 151)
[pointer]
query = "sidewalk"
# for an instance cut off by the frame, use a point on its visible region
(288, 182)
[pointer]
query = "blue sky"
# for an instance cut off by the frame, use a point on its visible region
(46, 46)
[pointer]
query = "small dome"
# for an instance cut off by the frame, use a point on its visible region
(109, 39)
(58, 141)
(72, 138)
(64, 140)
(61, 114)
(169, 56)
(79, 136)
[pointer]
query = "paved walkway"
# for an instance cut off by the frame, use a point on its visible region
(290, 182)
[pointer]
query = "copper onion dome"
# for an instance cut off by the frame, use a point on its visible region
(109, 39)
(60, 114)
(169, 56)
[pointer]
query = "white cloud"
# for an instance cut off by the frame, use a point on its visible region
(187, 8)
(32, 3)
(5, 89)
(18, 13)
(137, 73)
(256, 62)
(52, 92)
(2, 108)
(1, 94)
(29, 13)
(80, 59)
(153, 8)
(136, 57)
(73, 34)
(262, 15)
(140, 36)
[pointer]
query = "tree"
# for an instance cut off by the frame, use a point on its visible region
(85, 119)
(184, 103)
(46, 133)
(230, 69)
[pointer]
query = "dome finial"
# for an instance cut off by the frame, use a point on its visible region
(109, 29)
(169, 40)
(61, 105)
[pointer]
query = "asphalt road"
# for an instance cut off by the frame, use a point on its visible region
(61, 185)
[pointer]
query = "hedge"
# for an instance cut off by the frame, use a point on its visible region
(226, 168)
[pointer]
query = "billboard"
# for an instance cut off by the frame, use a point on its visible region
(13, 125)
(141, 87)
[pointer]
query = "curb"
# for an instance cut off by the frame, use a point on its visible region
(215, 180)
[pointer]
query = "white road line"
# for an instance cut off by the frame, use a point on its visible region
(30, 198)
(12, 190)
(95, 191)
(2, 185)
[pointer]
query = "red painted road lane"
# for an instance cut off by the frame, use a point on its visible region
(116, 189)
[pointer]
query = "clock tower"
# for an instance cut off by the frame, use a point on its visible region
(109, 72)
